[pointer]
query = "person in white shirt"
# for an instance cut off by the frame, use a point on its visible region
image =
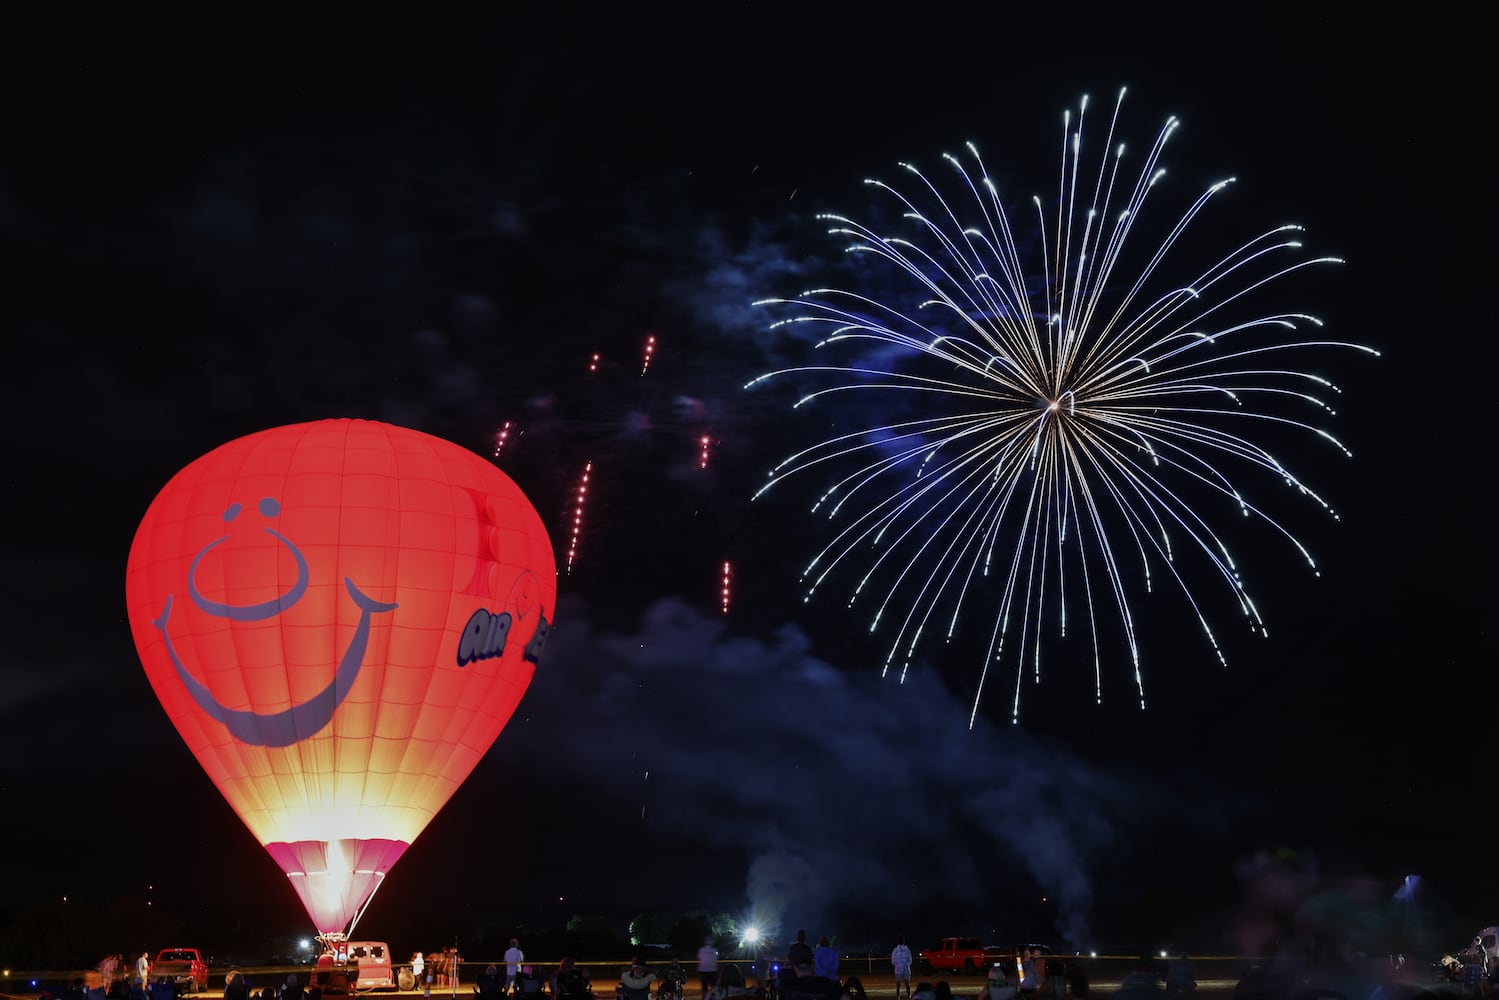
(513, 959)
(707, 966)
(900, 964)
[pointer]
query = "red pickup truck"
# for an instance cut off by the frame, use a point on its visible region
(183, 967)
(960, 954)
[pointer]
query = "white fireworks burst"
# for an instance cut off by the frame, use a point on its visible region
(1066, 426)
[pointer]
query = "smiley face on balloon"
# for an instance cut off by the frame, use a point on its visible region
(340, 655)
(281, 728)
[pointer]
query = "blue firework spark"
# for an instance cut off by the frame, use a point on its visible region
(1071, 417)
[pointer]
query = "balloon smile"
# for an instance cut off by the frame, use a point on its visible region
(277, 729)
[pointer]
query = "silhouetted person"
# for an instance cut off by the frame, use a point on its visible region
(806, 984)
(1181, 980)
(235, 987)
(798, 956)
(491, 984)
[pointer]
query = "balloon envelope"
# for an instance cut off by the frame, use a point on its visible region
(339, 617)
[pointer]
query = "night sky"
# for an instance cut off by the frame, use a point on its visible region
(218, 221)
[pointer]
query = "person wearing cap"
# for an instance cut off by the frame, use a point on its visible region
(635, 982)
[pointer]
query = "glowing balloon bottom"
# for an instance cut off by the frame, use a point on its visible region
(336, 878)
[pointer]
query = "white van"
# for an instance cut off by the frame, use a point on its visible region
(375, 969)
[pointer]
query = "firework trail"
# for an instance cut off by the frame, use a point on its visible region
(650, 350)
(603, 435)
(580, 497)
(1050, 440)
(501, 436)
(723, 590)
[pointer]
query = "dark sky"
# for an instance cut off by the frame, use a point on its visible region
(216, 222)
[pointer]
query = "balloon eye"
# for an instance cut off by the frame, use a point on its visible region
(270, 507)
(231, 512)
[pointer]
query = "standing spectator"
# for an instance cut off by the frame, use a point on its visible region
(825, 959)
(900, 964)
(143, 970)
(799, 955)
(798, 950)
(707, 966)
(514, 958)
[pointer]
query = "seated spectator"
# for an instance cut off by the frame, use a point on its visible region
(999, 986)
(674, 980)
(527, 982)
(1143, 982)
(1181, 980)
(807, 985)
(235, 986)
(491, 985)
(635, 982)
(730, 984)
(570, 981)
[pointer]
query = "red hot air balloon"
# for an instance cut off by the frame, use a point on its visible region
(340, 617)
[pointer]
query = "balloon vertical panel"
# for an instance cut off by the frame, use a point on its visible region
(340, 617)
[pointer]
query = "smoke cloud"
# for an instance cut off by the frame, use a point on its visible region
(756, 747)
